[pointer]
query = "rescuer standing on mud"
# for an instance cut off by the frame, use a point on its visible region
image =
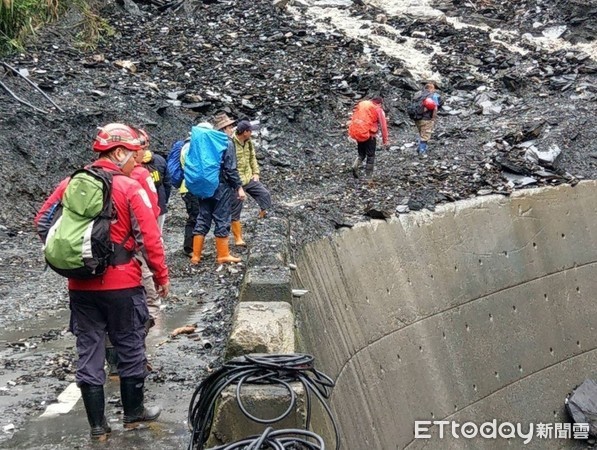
(367, 118)
(114, 301)
(142, 176)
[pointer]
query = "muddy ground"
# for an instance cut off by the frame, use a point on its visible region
(516, 75)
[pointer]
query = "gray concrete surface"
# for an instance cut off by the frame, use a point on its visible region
(266, 284)
(482, 310)
(269, 243)
(263, 322)
(267, 278)
(263, 402)
(261, 327)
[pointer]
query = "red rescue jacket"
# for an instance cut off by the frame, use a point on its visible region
(142, 175)
(134, 218)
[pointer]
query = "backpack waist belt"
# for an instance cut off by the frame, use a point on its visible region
(121, 255)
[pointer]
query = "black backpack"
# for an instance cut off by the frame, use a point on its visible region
(415, 108)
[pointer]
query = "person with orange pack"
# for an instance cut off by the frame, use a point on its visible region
(367, 118)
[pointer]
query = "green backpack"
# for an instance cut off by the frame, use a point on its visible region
(77, 236)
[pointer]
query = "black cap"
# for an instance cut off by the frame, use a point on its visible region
(243, 125)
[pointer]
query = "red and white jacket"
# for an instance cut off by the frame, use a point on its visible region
(135, 218)
(142, 175)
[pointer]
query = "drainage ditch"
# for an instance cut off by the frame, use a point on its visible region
(480, 311)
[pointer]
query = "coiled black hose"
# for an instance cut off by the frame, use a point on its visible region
(258, 369)
(289, 439)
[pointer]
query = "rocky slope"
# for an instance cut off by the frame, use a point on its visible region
(299, 71)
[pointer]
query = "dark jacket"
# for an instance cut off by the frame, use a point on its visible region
(229, 172)
(158, 168)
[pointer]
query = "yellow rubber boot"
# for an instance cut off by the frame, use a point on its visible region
(223, 252)
(197, 249)
(237, 232)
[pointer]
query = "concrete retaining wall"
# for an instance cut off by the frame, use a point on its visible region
(482, 310)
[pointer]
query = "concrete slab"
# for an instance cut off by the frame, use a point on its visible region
(270, 244)
(266, 284)
(265, 402)
(261, 328)
(274, 254)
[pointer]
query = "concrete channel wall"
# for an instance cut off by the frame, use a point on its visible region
(485, 309)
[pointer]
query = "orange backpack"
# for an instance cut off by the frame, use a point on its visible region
(363, 122)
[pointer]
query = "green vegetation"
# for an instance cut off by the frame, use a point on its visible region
(20, 20)
(93, 27)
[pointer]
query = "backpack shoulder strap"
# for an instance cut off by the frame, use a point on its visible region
(120, 254)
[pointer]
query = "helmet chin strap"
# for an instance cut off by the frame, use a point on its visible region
(125, 160)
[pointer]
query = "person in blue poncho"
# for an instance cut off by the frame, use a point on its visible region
(217, 208)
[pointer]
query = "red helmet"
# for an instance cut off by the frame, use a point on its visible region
(144, 138)
(116, 135)
(429, 103)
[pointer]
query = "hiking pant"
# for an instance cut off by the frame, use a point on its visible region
(161, 220)
(367, 149)
(259, 193)
(216, 209)
(151, 294)
(425, 128)
(191, 203)
(122, 313)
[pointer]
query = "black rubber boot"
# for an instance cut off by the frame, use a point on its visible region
(369, 171)
(356, 165)
(112, 360)
(135, 413)
(93, 399)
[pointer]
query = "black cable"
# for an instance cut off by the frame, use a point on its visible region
(260, 369)
(278, 440)
(257, 419)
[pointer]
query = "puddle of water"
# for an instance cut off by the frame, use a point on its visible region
(17, 331)
(193, 314)
(71, 430)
